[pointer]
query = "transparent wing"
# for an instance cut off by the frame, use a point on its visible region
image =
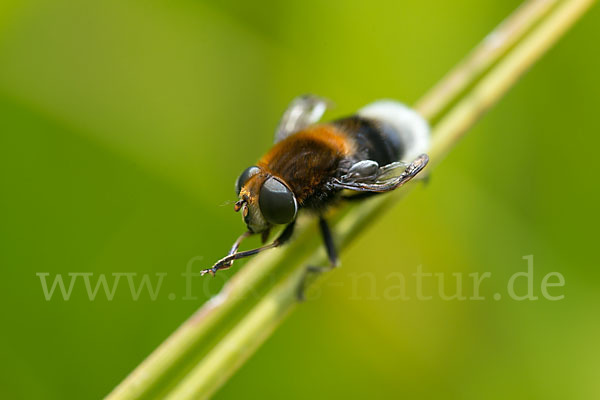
(363, 178)
(303, 111)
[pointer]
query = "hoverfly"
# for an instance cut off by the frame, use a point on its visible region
(311, 165)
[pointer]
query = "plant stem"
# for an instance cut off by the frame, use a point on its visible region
(486, 53)
(178, 364)
(505, 74)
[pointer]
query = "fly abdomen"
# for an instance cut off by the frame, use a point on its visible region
(373, 140)
(400, 129)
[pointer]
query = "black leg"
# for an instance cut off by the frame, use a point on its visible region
(238, 242)
(331, 255)
(227, 261)
(328, 240)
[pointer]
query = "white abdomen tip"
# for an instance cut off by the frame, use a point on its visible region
(411, 126)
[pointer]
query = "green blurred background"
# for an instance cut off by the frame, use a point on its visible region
(125, 123)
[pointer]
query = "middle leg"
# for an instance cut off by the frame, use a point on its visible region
(331, 255)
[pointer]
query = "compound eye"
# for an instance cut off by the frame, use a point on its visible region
(277, 203)
(243, 178)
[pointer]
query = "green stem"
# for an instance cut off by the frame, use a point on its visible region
(484, 55)
(178, 364)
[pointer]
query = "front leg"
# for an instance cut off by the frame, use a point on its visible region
(227, 261)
